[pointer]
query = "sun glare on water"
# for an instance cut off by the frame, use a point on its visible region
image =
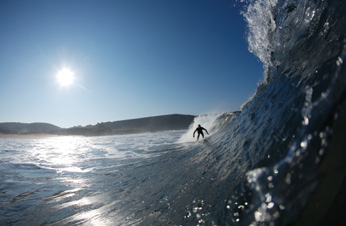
(65, 77)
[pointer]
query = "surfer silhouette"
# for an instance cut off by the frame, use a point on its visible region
(199, 131)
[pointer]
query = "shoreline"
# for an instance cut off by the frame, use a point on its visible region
(31, 135)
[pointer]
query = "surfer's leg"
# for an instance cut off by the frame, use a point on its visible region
(198, 136)
(202, 134)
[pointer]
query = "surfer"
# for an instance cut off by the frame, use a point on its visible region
(199, 130)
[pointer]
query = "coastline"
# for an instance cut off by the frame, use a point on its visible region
(31, 135)
(123, 127)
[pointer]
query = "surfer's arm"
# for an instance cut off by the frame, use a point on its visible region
(194, 133)
(206, 131)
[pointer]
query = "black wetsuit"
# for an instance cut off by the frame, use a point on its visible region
(199, 130)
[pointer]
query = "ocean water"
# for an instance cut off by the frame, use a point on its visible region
(78, 180)
(279, 161)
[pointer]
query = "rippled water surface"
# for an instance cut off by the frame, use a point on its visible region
(61, 180)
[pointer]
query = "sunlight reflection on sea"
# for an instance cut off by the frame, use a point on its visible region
(72, 179)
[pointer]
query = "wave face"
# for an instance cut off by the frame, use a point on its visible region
(273, 150)
(269, 160)
(261, 166)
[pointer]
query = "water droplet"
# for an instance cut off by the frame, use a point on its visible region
(323, 134)
(339, 61)
(258, 216)
(241, 207)
(270, 205)
(297, 153)
(304, 144)
(305, 121)
(268, 197)
(321, 152)
(324, 142)
(282, 207)
(188, 214)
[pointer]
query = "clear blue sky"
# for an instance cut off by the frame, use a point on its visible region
(130, 59)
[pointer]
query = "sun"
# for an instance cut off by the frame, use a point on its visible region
(65, 77)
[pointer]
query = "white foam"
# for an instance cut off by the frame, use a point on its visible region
(207, 121)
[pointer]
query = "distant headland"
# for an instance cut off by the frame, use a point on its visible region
(131, 126)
